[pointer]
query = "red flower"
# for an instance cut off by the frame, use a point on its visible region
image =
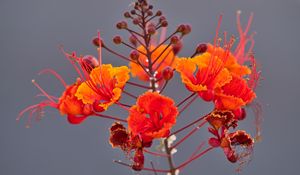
(152, 117)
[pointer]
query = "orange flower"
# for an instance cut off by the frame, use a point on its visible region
(152, 117)
(103, 86)
(234, 94)
(165, 57)
(67, 104)
(203, 73)
(229, 59)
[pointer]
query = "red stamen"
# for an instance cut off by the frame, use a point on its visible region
(51, 71)
(43, 91)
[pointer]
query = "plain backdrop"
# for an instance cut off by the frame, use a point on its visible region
(31, 30)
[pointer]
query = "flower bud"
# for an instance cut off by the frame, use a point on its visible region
(187, 30)
(121, 25)
(150, 7)
(133, 40)
(167, 73)
(151, 29)
(158, 13)
(174, 39)
(127, 15)
(138, 160)
(149, 13)
(117, 40)
(201, 48)
(177, 47)
(164, 23)
(96, 42)
(133, 12)
(136, 21)
(134, 55)
(181, 28)
(89, 62)
(214, 142)
(162, 18)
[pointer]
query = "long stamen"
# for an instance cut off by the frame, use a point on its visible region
(51, 71)
(110, 117)
(43, 91)
(146, 169)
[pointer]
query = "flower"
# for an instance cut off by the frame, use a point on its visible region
(152, 117)
(162, 57)
(221, 118)
(67, 104)
(203, 74)
(103, 86)
(238, 138)
(234, 94)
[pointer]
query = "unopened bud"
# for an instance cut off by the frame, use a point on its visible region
(187, 30)
(150, 7)
(201, 48)
(181, 28)
(162, 18)
(89, 62)
(96, 42)
(136, 21)
(164, 23)
(133, 12)
(151, 29)
(149, 13)
(121, 25)
(117, 40)
(133, 40)
(174, 39)
(134, 55)
(167, 73)
(158, 13)
(177, 47)
(127, 15)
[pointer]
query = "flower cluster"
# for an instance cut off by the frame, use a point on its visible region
(215, 73)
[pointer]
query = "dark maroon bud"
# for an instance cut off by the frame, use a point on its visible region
(134, 55)
(164, 23)
(162, 18)
(117, 40)
(167, 73)
(150, 7)
(133, 12)
(174, 39)
(121, 25)
(149, 13)
(151, 29)
(133, 40)
(181, 28)
(127, 15)
(138, 160)
(89, 62)
(187, 30)
(96, 42)
(136, 21)
(158, 13)
(177, 47)
(201, 48)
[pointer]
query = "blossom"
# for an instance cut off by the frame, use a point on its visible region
(67, 104)
(103, 86)
(152, 117)
(234, 94)
(203, 74)
(161, 56)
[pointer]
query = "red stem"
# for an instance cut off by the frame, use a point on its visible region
(110, 117)
(187, 126)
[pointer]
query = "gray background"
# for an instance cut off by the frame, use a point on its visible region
(31, 30)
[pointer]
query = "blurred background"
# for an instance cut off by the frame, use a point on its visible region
(31, 30)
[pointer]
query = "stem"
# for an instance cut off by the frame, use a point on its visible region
(138, 85)
(130, 95)
(187, 105)
(187, 126)
(152, 165)
(170, 160)
(194, 158)
(117, 54)
(163, 88)
(110, 117)
(155, 153)
(146, 169)
(179, 104)
(189, 134)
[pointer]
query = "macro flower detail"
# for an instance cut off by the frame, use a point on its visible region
(104, 87)
(234, 94)
(203, 74)
(152, 117)
(219, 118)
